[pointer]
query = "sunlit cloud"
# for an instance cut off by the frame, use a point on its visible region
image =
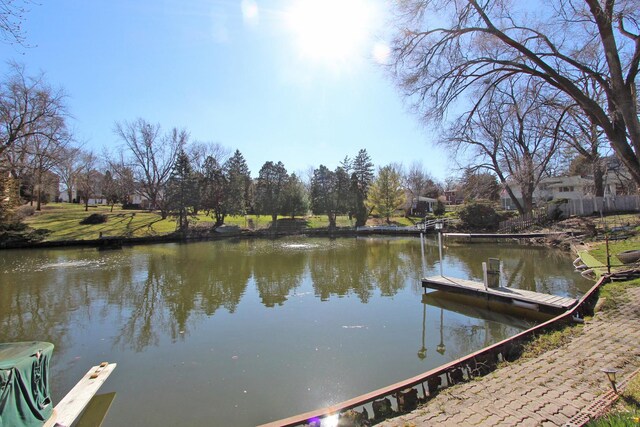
(250, 12)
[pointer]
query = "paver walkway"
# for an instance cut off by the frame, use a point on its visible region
(547, 390)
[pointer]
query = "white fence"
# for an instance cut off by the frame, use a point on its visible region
(589, 206)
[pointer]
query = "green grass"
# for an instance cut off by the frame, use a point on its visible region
(614, 293)
(550, 341)
(63, 222)
(321, 221)
(626, 412)
(615, 246)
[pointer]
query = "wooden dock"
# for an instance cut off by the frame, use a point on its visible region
(482, 308)
(495, 237)
(73, 404)
(530, 300)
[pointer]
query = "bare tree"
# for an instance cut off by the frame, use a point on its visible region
(419, 182)
(509, 132)
(67, 169)
(584, 137)
(152, 155)
(198, 153)
(88, 177)
(476, 184)
(560, 43)
(12, 15)
(46, 154)
(28, 106)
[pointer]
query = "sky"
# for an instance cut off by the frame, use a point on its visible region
(281, 80)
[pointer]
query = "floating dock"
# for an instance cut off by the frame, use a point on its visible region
(530, 300)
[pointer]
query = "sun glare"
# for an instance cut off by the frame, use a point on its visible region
(332, 31)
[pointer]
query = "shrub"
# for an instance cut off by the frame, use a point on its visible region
(479, 216)
(94, 219)
(439, 209)
(24, 211)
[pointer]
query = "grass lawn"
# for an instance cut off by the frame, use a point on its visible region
(615, 246)
(63, 222)
(626, 412)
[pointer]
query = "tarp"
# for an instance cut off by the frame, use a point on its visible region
(24, 383)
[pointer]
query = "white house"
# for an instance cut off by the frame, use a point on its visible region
(562, 187)
(579, 194)
(428, 204)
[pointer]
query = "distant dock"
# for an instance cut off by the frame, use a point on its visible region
(496, 237)
(550, 304)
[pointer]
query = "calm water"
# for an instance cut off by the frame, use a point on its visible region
(238, 333)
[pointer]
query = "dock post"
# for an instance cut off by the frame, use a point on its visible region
(493, 272)
(484, 275)
(440, 251)
(424, 263)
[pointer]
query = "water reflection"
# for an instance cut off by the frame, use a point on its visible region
(158, 289)
(325, 318)
(278, 272)
(494, 321)
(531, 268)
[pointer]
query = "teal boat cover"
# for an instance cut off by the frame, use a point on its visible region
(24, 384)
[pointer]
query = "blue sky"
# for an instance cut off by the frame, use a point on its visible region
(280, 80)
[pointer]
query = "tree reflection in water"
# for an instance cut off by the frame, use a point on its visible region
(226, 309)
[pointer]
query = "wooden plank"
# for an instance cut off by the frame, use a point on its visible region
(559, 300)
(551, 299)
(553, 302)
(72, 405)
(568, 302)
(96, 411)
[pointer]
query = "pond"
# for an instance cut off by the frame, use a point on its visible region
(242, 332)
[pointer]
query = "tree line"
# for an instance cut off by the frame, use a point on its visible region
(176, 176)
(521, 93)
(183, 178)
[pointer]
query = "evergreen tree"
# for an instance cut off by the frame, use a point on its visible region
(214, 190)
(239, 184)
(296, 200)
(361, 179)
(323, 193)
(363, 168)
(270, 189)
(181, 192)
(344, 195)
